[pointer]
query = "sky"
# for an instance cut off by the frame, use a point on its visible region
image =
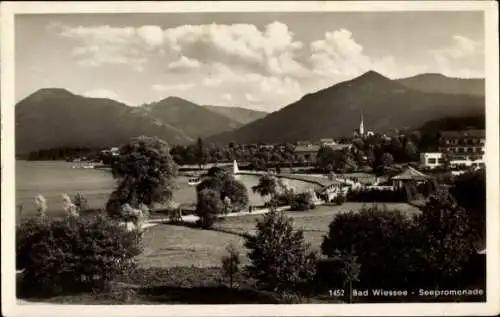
(260, 61)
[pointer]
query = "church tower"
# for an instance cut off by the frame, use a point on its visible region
(361, 125)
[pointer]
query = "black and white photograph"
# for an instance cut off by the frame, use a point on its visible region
(341, 155)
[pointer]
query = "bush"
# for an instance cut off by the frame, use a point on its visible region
(284, 199)
(396, 251)
(209, 206)
(302, 202)
(231, 264)
(339, 199)
(81, 202)
(227, 186)
(73, 254)
(378, 237)
(376, 195)
(280, 258)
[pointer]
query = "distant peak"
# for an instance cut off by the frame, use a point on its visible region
(52, 91)
(371, 74)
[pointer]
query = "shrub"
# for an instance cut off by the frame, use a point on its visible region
(40, 205)
(444, 240)
(302, 201)
(227, 186)
(267, 186)
(469, 190)
(81, 202)
(376, 195)
(395, 251)
(231, 263)
(280, 258)
(377, 236)
(73, 254)
(283, 199)
(339, 199)
(208, 207)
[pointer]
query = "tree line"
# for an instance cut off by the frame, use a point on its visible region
(61, 153)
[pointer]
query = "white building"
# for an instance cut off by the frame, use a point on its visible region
(467, 161)
(431, 159)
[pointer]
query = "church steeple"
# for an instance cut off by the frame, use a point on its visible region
(361, 125)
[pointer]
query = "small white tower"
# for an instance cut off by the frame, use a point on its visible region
(361, 125)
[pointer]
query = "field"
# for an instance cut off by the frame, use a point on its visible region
(170, 245)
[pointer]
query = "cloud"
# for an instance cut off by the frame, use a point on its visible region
(251, 98)
(265, 67)
(152, 35)
(170, 87)
(270, 51)
(184, 63)
(462, 57)
(105, 45)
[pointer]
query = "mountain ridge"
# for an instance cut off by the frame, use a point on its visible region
(335, 111)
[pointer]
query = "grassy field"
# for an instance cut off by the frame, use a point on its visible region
(170, 245)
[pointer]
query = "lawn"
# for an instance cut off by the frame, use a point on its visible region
(171, 246)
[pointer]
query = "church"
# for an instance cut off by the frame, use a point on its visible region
(360, 132)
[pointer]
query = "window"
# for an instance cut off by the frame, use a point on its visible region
(440, 161)
(431, 161)
(470, 150)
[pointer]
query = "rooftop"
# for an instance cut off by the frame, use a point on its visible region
(411, 174)
(307, 148)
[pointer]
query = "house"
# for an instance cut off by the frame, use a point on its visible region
(327, 141)
(266, 146)
(463, 148)
(339, 147)
(431, 159)
(306, 153)
(303, 142)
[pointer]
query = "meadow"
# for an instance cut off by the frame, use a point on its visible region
(175, 245)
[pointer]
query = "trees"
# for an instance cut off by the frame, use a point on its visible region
(446, 239)
(227, 186)
(208, 207)
(386, 160)
(469, 191)
(236, 191)
(437, 244)
(231, 263)
(267, 186)
(144, 172)
(201, 153)
(280, 258)
(377, 237)
(302, 202)
(410, 151)
(68, 254)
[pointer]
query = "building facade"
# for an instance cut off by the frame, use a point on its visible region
(306, 153)
(463, 148)
(431, 159)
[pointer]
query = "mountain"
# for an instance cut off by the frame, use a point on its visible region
(55, 117)
(442, 84)
(194, 120)
(241, 115)
(454, 123)
(335, 111)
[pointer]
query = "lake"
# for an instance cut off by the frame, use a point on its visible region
(54, 178)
